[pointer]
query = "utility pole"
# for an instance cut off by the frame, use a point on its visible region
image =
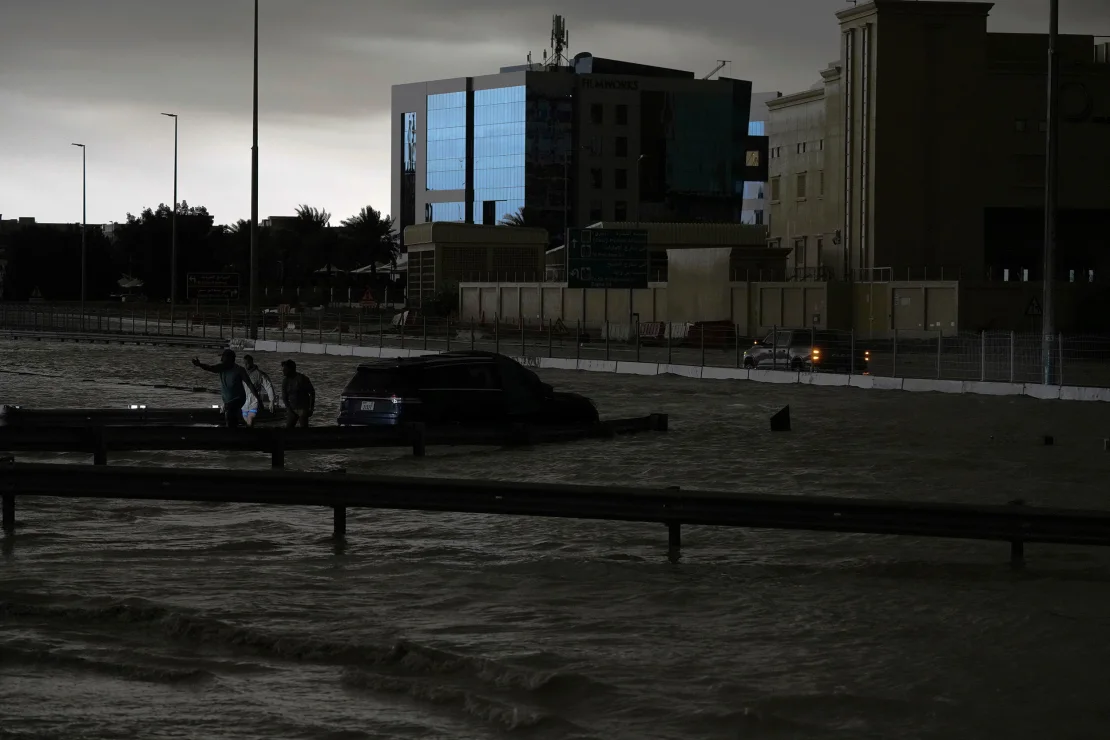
(253, 319)
(173, 225)
(1052, 150)
(84, 225)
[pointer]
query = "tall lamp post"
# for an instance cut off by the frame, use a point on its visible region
(253, 320)
(173, 225)
(84, 220)
(1050, 177)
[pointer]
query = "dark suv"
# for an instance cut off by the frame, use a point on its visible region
(473, 388)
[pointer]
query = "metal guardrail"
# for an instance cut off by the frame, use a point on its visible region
(98, 441)
(1015, 524)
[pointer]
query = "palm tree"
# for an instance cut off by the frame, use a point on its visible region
(523, 217)
(373, 238)
(311, 219)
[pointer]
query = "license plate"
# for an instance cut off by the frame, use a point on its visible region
(367, 405)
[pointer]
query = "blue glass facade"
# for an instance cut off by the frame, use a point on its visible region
(455, 211)
(446, 156)
(757, 128)
(500, 122)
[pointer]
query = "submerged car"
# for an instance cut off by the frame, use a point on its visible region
(468, 388)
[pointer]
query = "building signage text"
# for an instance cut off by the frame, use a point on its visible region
(594, 83)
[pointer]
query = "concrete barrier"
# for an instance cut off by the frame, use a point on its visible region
(724, 373)
(925, 385)
(780, 377)
(773, 376)
(988, 388)
(686, 371)
(637, 368)
(1043, 392)
(833, 380)
(598, 366)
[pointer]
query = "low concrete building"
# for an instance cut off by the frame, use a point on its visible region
(441, 255)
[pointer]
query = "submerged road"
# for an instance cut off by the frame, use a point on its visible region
(238, 621)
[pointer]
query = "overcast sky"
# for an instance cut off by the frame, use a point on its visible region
(99, 72)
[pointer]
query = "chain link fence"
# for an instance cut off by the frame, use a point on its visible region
(984, 356)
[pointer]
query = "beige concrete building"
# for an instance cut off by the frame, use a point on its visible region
(951, 186)
(443, 254)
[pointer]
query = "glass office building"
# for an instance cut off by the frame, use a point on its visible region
(500, 123)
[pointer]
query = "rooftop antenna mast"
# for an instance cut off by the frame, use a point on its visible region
(560, 40)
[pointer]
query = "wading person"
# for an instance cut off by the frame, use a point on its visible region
(234, 384)
(261, 381)
(298, 395)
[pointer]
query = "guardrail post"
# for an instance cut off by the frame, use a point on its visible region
(381, 329)
(424, 320)
(448, 330)
(320, 328)
(636, 331)
(550, 337)
(358, 327)
(607, 332)
(417, 434)
(497, 333)
(277, 449)
(668, 330)
(577, 342)
(339, 521)
(339, 327)
(523, 344)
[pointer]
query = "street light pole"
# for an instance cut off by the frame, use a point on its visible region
(84, 221)
(173, 225)
(1052, 149)
(253, 319)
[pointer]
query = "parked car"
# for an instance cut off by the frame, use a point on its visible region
(470, 388)
(806, 349)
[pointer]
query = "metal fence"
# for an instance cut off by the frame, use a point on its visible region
(982, 356)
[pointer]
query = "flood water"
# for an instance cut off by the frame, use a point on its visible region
(150, 620)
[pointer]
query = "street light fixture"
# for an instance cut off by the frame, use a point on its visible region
(84, 219)
(173, 225)
(1052, 150)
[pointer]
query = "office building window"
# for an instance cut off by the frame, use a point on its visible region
(801, 185)
(595, 210)
(751, 158)
(445, 212)
(500, 124)
(1019, 124)
(446, 147)
(775, 194)
(620, 179)
(799, 254)
(757, 128)
(620, 146)
(820, 145)
(753, 191)
(620, 210)
(802, 148)
(622, 115)
(408, 170)
(597, 113)
(595, 178)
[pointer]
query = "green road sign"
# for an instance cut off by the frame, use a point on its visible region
(607, 258)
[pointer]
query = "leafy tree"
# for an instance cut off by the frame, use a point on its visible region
(142, 246)
(48, 257)
(372, 238)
